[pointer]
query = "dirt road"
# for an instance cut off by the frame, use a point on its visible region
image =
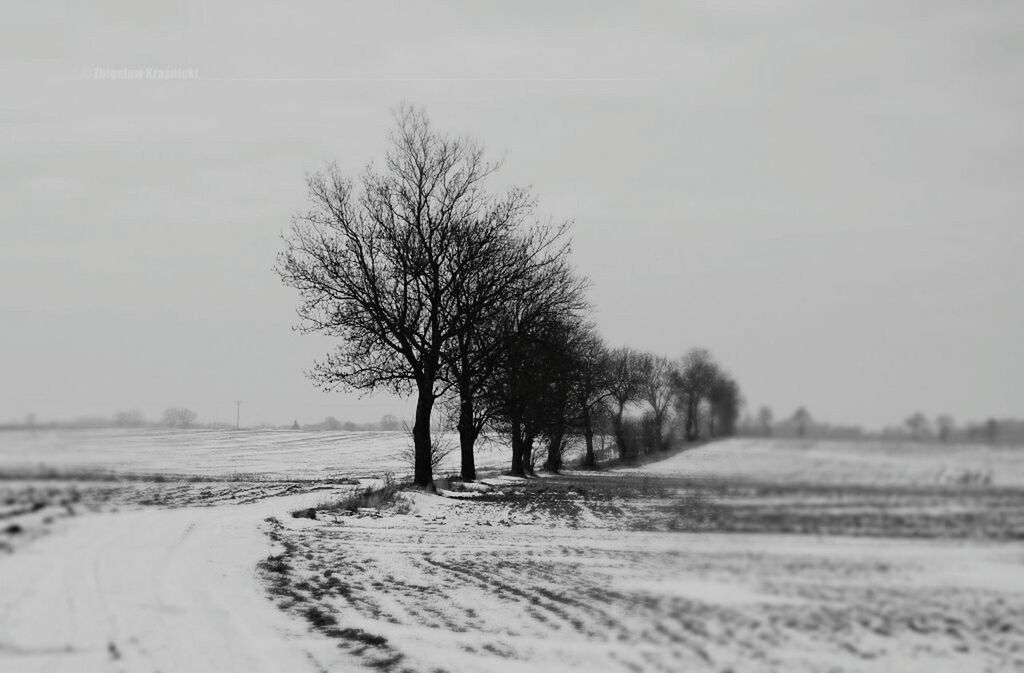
(150, 590)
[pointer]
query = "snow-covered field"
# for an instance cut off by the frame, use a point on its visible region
(851, 462)
(743, 555)
(293, 454)
(460, 587)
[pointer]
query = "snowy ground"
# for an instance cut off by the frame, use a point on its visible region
(150, 589)
(742, 555)
(253, 454)
(868, 463)
(592, 573)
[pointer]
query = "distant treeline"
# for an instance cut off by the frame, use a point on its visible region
(180, 417)
(916, 427)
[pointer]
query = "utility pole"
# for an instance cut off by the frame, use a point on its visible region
(238, 413)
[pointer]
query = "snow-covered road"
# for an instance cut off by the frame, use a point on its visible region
(151, 590)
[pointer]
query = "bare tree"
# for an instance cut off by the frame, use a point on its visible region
(656, 388)
(517, 397)
(179, 417)
(557, 359)
(764, 419)
(510, 260)
(692, 381)
(379, 264)
(129, 419)
(625, 386)
(917, 423)
(724, 400)
(591, 388)
(572, 393)
(991, 431)
(945, 425)
(801, 418)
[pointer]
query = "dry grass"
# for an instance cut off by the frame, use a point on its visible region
(388, 495)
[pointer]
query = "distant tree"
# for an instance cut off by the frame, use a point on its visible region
(561, 362)
(917, 423)
(129, 419)
(389, 423)
(331, 423)
(764, 419)
(692, 381)
(295, 425)
(945, 425)
(590, 389)
(625, 386)
(991, 431)
(724, 401)
(655, 374)
(802, 419)
(349, 426)
(179, 417)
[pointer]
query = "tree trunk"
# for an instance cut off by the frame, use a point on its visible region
(554, 461)
(692, 432)
(528, 439)
(663, 438)
(423, 475)
(517, 450)
(590, 460)
(620, 436)
(467, 438)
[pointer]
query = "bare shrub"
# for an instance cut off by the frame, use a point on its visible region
(179, 417)
(441, 447)
(389, 495)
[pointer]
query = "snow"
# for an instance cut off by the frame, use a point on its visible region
(838, 462)
(153, 589)
(450, 590)
(477, 582)
(224, 453)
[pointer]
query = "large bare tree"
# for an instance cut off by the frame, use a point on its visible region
(509, 258)
(517, 396)
(381, 261)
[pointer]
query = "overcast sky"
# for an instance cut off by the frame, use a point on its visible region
(828, 195)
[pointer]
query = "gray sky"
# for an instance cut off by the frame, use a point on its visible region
(827, 194)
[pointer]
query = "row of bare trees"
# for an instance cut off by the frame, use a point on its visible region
(694, 393)
(438, 287)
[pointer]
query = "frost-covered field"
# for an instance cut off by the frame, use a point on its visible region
(743, 555)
